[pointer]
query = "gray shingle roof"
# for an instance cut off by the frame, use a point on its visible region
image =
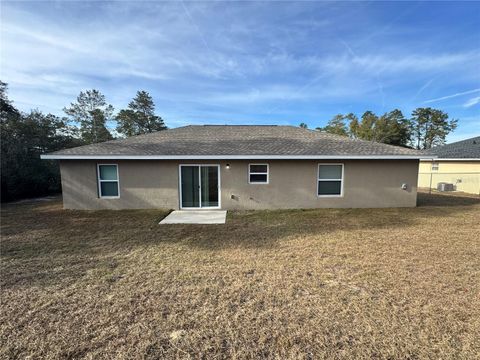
(465, 149)
(241, 140)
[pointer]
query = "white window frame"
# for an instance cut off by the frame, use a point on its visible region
(99, 182)
(435, 166)
(259, 173)
(341, 180)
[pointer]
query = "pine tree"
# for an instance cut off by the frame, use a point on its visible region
(430, 127)
(92, 112)
(336, 125)
(140, 116)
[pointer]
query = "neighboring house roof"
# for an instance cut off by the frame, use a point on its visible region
(465, 149)
(235, 142)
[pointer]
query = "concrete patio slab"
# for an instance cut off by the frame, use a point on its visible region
(195, 217)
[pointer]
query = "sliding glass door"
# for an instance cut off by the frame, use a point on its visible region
(209, 186)
(199, 186)
(190, 182)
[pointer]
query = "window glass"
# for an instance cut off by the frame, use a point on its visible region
(330, 172)
(258, 168)
(108, 172)
(329, 187)
(258, 178)
(209, 185)
(190, 184)
(108, 188)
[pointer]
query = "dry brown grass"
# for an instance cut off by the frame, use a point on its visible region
(386, 283)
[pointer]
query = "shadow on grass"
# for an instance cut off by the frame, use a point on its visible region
(44, 244)
(425, 199)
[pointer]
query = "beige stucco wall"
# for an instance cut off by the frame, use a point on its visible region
(292, 184)
(465, 175)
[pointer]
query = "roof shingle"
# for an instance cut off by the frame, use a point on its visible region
(465, 149)
(237, 140)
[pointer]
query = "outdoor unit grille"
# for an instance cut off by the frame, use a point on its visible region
(445, 187)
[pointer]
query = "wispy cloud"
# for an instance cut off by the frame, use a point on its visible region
(446, 97)
(241, 61)
(472, 101)
(396, 63)
(423, 87)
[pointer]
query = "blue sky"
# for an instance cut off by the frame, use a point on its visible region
(248, 62)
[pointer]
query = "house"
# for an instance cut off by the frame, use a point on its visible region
(237, 167)
(457, 164)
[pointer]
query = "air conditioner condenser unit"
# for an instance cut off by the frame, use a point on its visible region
(445, 187)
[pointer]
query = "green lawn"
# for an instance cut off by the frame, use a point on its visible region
(361, 283)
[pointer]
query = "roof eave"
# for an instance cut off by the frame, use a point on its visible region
(451, 159)
(234, 157)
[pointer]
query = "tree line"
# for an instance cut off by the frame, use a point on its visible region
(426, 128)
(91, 112)
(26, 135)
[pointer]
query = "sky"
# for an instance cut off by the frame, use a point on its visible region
(247, 62)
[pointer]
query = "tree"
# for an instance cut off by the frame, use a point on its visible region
(92, 112)
(336, 125)
(429, 127)
(6, 107)
(23, 138)
(353, 126)
(303, 125)
(366, 127)
(140, 116)
(393, 128)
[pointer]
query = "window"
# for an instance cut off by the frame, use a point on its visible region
(258, 174)
(434, 166)
(330, 180)
(108, 181)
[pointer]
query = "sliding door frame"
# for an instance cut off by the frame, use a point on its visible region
(200, 207)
